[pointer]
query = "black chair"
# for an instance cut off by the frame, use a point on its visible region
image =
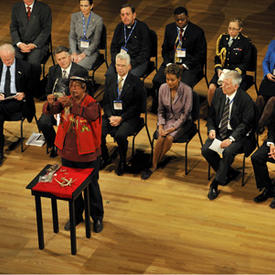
(153, 64)
(47, 56)
(19, 117)
(249, 79)
(191, 133)
(102, 58)
(142, 124)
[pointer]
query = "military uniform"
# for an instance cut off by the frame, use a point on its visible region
(234, 57)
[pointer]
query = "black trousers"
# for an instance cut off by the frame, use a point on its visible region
(119, 133)
(96, 205)
(7, 108)
(221, 165)
(259, 160)
(45, 124)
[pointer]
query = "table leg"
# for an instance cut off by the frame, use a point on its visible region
(39, 222)
(72, 229)
(87, 211)
(55, 216)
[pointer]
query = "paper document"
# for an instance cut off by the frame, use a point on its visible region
(216, 146)
(36, 139)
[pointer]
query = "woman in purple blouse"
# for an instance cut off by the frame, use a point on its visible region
(174, 114)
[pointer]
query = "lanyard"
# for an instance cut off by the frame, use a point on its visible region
(127, 38)
(83, 23)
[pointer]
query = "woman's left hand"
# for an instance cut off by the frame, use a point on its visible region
(80, 57)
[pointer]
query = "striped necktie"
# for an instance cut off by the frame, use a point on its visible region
(224, 120)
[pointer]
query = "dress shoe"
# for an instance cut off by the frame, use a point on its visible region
(266, 194)
(232, 175)
(272, 204)
(146, 174)
(98, 226)
(67, 226)
(104, 162)
(213, 191)
(53, 152)
(121, 168)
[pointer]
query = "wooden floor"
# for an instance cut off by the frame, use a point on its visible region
(165, 224)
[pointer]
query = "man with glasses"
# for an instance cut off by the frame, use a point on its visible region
(184, 43)
(233, 52)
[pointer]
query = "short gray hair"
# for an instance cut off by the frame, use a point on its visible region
(124, 56)
(7, 48)
(234, 76)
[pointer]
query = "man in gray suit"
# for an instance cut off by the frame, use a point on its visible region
(30, 31)
(85, 34)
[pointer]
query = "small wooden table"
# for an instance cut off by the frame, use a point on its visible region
(84, 186)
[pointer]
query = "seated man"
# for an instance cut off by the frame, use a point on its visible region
(131, 36)
(231, 118)
(15, 93)
(122, 104)
(259, 159)
(78, 142)
(30, 31)
(58, 81)
(184, 43)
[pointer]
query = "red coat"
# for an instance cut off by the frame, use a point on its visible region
(88, 133)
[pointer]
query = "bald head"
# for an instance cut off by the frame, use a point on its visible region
(7, 54)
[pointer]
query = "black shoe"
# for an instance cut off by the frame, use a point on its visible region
(53, 152)
(104, 162)
(98, 226)
(67, 225)
(121, 168)
(213, 191)
(266, 194)
(232, 175)
(146, 174)
(272, 204)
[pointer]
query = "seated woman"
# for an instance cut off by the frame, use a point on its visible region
(233, 52)
(266, 97)
(85, 34)
(174, 114)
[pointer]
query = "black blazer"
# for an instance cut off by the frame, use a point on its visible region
(23, 84)
(37, 30)
(193, 41)
(131, 96)
(55, 72)
(138, 44)
(243, 114)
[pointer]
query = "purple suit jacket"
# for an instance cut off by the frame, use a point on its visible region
(174, 114)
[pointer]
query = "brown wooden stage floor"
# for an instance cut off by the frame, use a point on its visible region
(165, 224)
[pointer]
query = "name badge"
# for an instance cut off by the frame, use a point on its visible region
(274, 71)
(181, 53)
(123, 50)
(84, 43)
(118, 105)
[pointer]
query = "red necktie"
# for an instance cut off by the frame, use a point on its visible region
(28, 12)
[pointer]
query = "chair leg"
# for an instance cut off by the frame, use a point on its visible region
(186, 171)
(133, 146)
(200, 138)
(243, 170)
(21, 135)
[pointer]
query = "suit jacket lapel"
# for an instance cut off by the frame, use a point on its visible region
(223, 98)
(125, 86)
(23, 13)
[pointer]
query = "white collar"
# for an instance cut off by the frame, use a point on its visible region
(31, 6)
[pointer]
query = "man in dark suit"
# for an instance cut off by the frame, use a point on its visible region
(30, 31)
(184, 43)
(58, 83)
(231, 117)
(131, 36)
(122, 105)
(259, 160)
(15, 95)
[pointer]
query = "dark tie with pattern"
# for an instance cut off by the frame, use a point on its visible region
(28, 12)
(224, 120)
(7, 87)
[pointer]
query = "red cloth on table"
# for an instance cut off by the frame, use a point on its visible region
(78, 175)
